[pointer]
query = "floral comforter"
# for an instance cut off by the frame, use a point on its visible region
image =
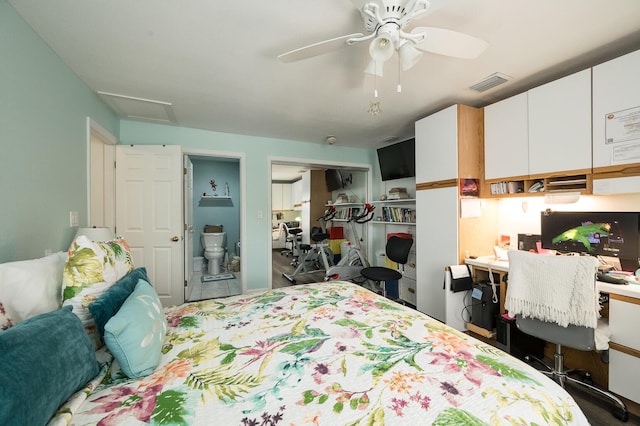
(323, 354)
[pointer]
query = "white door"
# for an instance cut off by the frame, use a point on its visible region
(149, 213)
(188, 218)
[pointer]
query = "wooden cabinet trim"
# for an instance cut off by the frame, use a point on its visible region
(621, 170)
(624, 349)
(448, 183)
(623, 298)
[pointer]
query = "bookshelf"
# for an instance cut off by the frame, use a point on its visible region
(531, 187)
(400, 212)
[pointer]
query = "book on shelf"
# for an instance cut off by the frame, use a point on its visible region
(398, 214)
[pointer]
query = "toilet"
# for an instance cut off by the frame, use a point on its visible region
(213, 244)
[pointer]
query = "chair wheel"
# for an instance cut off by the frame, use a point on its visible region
(620, 414)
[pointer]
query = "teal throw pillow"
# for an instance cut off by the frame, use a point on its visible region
(136, 333)
(43, 361)
(111, 300)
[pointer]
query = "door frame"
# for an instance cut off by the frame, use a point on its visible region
(240, 156)
(104, 176)
(305, 162)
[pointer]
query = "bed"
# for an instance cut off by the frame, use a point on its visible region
(330, 353)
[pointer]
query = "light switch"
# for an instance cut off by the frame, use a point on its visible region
(74, 219)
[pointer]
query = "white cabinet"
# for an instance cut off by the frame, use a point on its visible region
(624, 352)
(437, 246)
(408, 281)
(616, 94)
(440, 232)
(276, 196)
(560, 125)
(542, 131)
(437, 146)
(281, 196)
(506, 138)
(296, 194)
(286, 197)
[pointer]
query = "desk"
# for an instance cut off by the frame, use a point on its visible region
(624, 317)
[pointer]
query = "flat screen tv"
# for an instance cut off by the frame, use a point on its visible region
(613, 234)
(398, 161)
(333, 178)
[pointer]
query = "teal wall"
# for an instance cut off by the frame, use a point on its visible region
(43, 166)
(256, 151)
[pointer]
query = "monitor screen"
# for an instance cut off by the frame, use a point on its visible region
(614, 234)
(397, 161)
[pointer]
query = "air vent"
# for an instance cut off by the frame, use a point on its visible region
(490, 82)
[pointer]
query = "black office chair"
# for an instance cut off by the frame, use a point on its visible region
(397, 250)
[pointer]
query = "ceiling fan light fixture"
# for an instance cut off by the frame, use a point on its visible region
(381, 48)
(374, 68)
(409, 55)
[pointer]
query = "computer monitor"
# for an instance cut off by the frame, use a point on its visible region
(612, 234)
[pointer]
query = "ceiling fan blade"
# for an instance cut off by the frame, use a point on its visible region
(316, 49)
(450, 43)
(359, 4)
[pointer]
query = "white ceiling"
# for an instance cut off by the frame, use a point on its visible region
(215, 61)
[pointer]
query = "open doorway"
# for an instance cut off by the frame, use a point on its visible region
(299, 197)
(213, 211)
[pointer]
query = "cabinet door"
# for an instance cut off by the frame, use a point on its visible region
(437, 146)
(296, 194)
(436, 246)
(506, 138)
(560, 125)
(615, 90)
(276, 196)
(286, 197)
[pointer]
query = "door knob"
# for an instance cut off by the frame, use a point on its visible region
(175, 238)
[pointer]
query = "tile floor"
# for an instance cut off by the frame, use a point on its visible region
(212, 289)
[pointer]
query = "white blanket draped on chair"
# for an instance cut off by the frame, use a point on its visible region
(558, 289)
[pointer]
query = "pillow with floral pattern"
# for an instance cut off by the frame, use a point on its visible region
(91, 268)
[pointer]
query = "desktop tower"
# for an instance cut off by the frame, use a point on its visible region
(483, 309)
(515, 342)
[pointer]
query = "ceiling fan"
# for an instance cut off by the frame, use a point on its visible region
(385, 21)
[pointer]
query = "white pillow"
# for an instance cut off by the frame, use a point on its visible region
(31, 287)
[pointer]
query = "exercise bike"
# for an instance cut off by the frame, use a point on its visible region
(312, 258)
(351, 263)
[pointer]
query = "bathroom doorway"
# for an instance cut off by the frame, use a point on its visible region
(213, 205)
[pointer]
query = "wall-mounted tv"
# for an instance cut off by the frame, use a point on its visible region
(614, 234)
(398, 161)
(333, 178)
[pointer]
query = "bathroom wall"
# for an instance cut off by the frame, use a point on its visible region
(216, 212)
